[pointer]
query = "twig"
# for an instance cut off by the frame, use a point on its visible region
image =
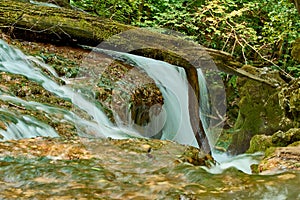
(20, 107)
(237, 40)
(270, 61)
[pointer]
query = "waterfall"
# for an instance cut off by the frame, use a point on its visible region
(15, 62)
(173, 84)
(172, 123)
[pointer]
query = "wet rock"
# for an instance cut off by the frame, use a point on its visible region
(259, 143)
(281, 159)
(128, 92)
(278, 139)
(168, 152)
(122, 89)
(282, 150)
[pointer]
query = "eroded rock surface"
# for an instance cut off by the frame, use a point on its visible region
(282, 159)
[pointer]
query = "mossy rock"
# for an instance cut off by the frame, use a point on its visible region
(260, 143)
(289, 99)
(259, 109)
(266, 143)
(281, 138)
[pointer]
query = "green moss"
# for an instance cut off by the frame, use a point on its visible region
(259, 143)
(295, 144)
(260, 112)
(283, 139)
(269, 151)
(254, 168)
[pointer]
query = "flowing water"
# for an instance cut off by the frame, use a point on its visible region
(110, 178)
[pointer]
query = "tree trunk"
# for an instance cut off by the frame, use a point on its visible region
(297, 4)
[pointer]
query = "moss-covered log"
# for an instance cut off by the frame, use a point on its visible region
(69, 27)
(65, 26)
(50, 24)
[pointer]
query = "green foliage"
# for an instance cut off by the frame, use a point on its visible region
(257, 32)
(124, 11)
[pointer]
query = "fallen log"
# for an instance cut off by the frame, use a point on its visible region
(64, 26)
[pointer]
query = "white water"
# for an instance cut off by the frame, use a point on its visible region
(15, 62)
(23, 127)
(173, 121)
(241, 162)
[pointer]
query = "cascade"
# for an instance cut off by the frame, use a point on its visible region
(15, 62)
(172, 123)
(172, 82)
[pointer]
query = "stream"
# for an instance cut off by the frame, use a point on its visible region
(29, 167)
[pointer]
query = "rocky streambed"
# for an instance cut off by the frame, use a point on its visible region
(68, 165)
(51, 168)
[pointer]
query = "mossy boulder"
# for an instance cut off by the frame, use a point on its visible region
(281, 138)
(278, 139)
(259, 109)
(260, 143)
(282, 150)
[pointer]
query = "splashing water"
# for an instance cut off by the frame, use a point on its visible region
(173, 121)
(15, 62)
(231, 178)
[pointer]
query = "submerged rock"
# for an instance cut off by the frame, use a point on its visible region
(168, 152)
(57, 168)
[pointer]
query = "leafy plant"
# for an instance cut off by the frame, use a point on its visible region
(258, 32)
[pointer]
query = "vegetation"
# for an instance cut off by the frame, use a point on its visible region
(260, 33)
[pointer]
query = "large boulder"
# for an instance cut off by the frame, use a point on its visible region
(259, 108)
(261, 143)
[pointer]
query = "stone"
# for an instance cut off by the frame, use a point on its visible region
(259, 109)
(259, 143)
(282, 159)
(281, 138)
